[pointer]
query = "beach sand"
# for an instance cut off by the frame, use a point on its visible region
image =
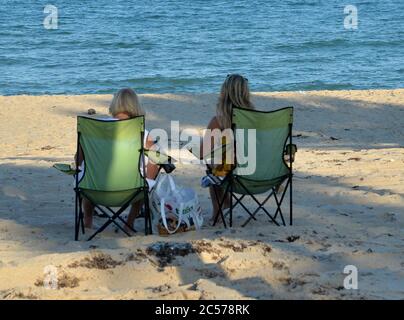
(348, 207)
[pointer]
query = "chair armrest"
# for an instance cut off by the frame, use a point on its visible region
(290, 150)
(157, 157)
(65, 168)
(163, 160)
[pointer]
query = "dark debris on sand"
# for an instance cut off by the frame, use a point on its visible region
(291, 238)
(65, 280)
(100, 261)
(236, 247)
(138, 256)
(207, 247)
(204, 246)
(166, 252)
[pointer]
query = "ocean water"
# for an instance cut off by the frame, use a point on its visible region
(157, 46)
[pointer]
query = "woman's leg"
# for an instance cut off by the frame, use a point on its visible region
(133, 214)
(88, 209)
(151, 173)
(152, 170)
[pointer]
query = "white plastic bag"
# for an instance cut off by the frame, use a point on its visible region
(174, 209)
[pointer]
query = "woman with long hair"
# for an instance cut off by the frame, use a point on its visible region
(234, 93)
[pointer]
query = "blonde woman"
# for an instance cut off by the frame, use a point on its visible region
(124, 105)
(234, 93)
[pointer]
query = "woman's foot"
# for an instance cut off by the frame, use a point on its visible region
(129, 230)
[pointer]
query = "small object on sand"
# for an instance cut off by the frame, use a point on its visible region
(333, 138)
(293, 238)
(47, 148)
(289, 239)
(91, 111)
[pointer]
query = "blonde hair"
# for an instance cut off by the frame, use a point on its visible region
(234, 93)
(126, 101)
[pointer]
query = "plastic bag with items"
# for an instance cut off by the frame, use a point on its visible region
(175, 209)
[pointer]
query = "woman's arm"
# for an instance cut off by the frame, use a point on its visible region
(149, 142)
(151, 169)
(213, 124)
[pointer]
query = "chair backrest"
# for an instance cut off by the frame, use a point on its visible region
(272, 130)
(112, 153)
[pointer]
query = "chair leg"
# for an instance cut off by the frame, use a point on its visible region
(76, 219)
(147, 215)
(220, 205)
(290, 202)
(251, 215)
(231, 206)
(120, 227)
(146, 224)
(260, 206)
(81, 215)
(110, 220)
(150, 222)
(101, 229)
(118, 217)
(278, 205)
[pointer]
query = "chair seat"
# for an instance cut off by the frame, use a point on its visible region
(112, 198)
(255, 187)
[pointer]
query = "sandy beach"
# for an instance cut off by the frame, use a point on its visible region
(348, 207)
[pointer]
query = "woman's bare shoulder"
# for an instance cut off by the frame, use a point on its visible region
(214, 123)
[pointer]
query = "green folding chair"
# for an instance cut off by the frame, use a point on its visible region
(113, 154)
(274, 157)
